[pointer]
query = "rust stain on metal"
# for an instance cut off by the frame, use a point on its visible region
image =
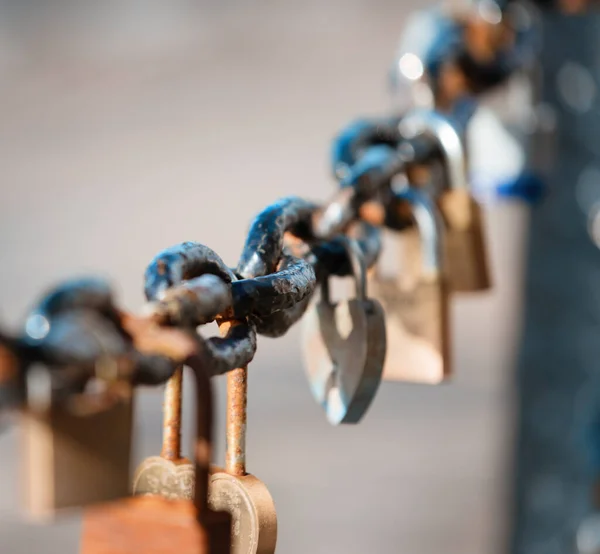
(8, 365)
(171, 446)
(237, 398)
(154, 526)
(161, 267)
(148, 337)
(237, 387)
(372, 212)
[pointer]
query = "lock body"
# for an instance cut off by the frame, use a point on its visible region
(153, 525)
(464, 248)
(344, 352)
(72, 460)
(416, 305)
(157, 476)
(253, 515)
(157, 525)
(465, 254)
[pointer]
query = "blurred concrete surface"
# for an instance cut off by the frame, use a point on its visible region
(130, 126)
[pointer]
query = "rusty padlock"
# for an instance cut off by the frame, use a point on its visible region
(168, 475)
(246, 498)
(415, 300)
(73, 458)
(155, 525)
(254, 520)
(76, 452)
(464, 245)
(345, 347)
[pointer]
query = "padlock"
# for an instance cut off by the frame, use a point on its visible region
(345, 347)
(464, 245)
(76, 452)
(246, 498)
(155, 525)
(415, 299)
(72, 459)
(168, 475)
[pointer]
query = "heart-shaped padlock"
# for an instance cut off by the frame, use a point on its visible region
(168, 475)
(344, 347)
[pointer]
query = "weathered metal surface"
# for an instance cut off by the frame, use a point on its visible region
(416, 302)
(131, 525)
(193, 302)
(236, 420)
(10, 373)
(90, 292)
(171, 447)
(264, 243)
(465, 254)
(254, 520)
(263, 256)
(232, 489)
(168, 475)
(151, 525)
(330, 258)
(180, 263)
(272, 301)
(191, 261)
(186, 303)
(76, 453)
(275, 302)
(344, 348)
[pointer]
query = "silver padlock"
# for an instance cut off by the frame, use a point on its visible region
(344, 347)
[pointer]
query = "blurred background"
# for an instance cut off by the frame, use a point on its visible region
(128, 126)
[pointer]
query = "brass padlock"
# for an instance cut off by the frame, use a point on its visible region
(155, 525)
(415, 300)
(231, 489)
(168, 475)
(76, 451)
(246, 498)
(72, 459)
(465, 253)
(345, 347)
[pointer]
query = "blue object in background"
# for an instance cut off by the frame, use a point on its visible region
(342, 152)
(527, 187)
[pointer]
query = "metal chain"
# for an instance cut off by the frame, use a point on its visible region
(291, 246)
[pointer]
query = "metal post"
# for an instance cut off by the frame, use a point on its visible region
(558, 374)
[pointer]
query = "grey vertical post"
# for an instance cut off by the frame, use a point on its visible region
(558, 375)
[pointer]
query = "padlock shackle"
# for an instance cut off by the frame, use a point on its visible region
(186, 267)
(357, 262)
(435, 125)
(202, 447)
(171, 438)
(236, 413)
(359, 270)
(430, 227)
